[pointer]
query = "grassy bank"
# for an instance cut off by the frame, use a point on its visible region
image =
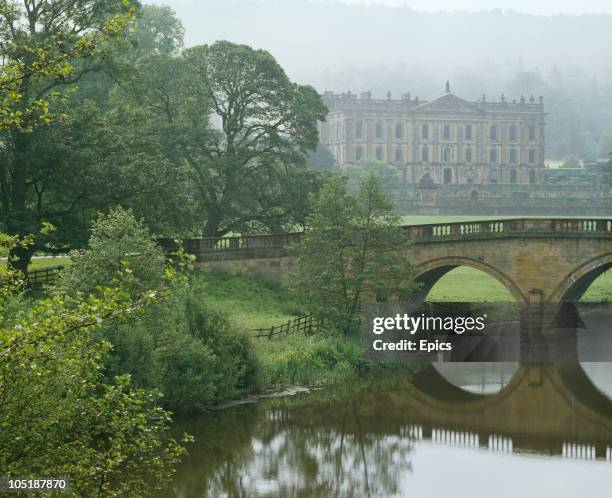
(252, 302)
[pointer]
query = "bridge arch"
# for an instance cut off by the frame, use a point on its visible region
(576, 283)
(430, 272)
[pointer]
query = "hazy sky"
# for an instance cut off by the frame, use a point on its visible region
(545, 7)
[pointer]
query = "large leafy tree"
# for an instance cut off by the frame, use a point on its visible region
(352, 252)
(231, 119)
(47, 47)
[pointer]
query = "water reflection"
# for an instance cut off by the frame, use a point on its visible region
(387, 436)
(479, 378)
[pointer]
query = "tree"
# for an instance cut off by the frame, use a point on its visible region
(321, 158)
(57, 417)
(158, 31)
(47, 46)
(353, 251)
(117, 241)
(263, 127)
(387, 174)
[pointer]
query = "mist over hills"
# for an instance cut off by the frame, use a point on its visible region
(340, 47)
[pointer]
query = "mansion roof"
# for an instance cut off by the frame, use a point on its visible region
(447, 103)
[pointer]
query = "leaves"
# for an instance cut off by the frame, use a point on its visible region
(353, 251)
(57, 416)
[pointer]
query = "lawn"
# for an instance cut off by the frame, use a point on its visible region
(465, 284)
(254, 302)
(44, 262)
(251, 302)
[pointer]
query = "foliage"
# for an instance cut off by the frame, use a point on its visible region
(45, 45)
(118, 242)
(182, 347)
(321, 158)
(57, 417)
(158, 31)
(353, 251)
(267, 124)
(317, 361)
(387, 174)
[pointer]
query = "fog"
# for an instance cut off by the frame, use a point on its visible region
(349, 45)
(540, 7)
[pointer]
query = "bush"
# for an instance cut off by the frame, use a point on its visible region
(118, 243)
(320, 361)
(191, 353)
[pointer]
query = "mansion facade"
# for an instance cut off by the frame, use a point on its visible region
(443, 141)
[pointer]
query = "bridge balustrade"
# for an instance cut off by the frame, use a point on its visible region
(429, 232)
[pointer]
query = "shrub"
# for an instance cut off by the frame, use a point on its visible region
(118, 243)
(191, 353)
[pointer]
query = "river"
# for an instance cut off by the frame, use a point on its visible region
(448, 430)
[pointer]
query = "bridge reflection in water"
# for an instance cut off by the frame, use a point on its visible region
(383, 439)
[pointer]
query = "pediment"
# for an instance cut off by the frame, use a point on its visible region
(449, 103)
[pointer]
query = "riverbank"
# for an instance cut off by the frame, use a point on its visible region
(324, 358)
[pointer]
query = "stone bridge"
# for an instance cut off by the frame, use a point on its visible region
(536, 259)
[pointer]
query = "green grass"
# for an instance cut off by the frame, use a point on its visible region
(251, 302)
(465, 284)
(254, 302)
(40, 263)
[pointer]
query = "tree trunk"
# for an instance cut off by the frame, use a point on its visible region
(20, 257)
(213, 223)
(21, 221)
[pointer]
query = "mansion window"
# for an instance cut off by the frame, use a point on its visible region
(399, 132)
(446, 154)
(532, 156)
(425, 154)
(425, 132)
(532, 133)
(493, 133)
(512, 133)
(493, 155)
(358, 153)
(493, 175)
(448, 176)
(512, 156)
(468, 132)
(470, 176)
(533, 176)
(379, 153)
(379, 130)
(398, 155)
(359, 129)
(513, 177)
(446, 132)
(468, 155)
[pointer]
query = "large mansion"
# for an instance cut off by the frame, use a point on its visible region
(446, 140)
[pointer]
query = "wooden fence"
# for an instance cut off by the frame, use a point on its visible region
(307, 324)
(45, 276)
